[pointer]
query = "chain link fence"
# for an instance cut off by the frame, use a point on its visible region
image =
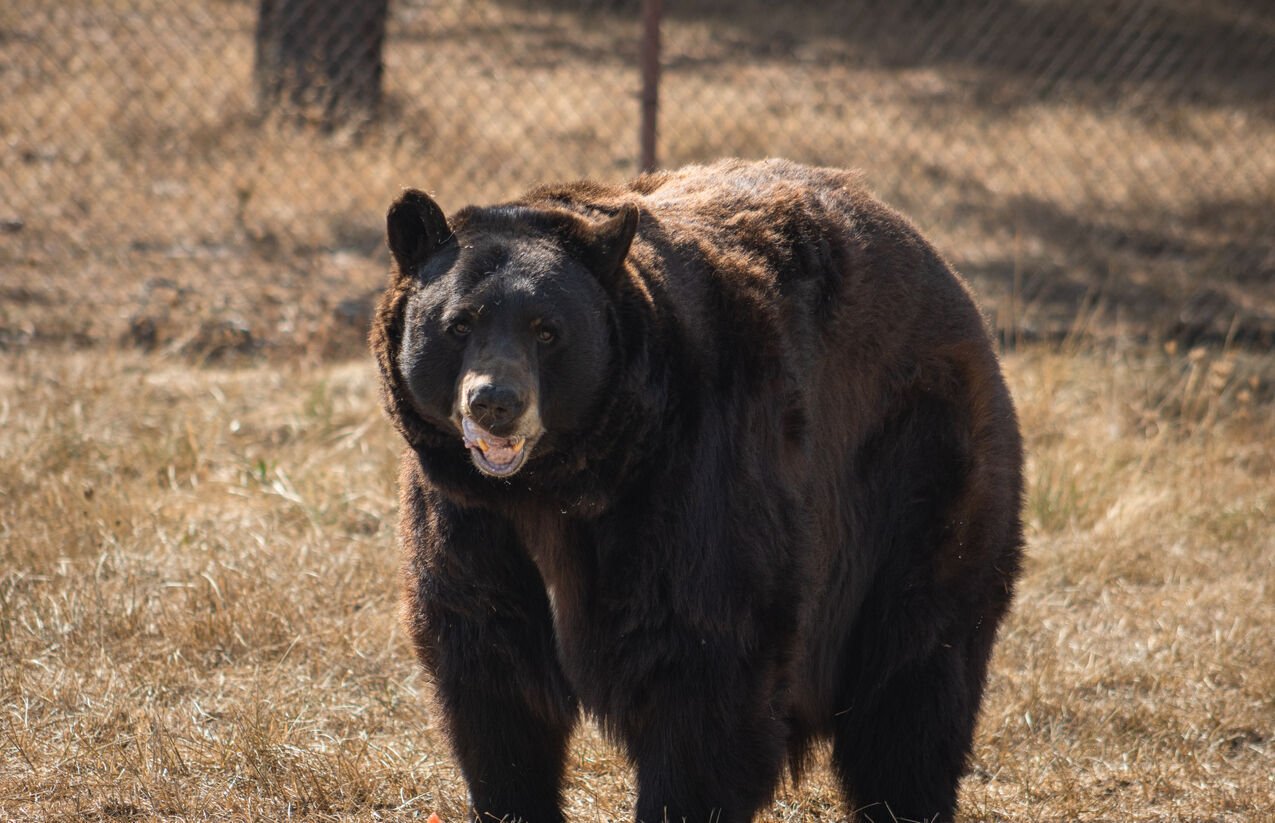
(209, 176)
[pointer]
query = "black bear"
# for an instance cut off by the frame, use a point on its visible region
(722, 458)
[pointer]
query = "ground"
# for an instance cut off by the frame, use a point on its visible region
(198, 599)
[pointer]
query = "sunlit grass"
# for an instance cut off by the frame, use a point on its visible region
(198, 600)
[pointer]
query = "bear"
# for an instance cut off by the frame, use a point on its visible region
(721, 458)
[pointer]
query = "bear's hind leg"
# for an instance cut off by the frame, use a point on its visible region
(943, 524)
(725, 776)
(708, 747)
(901, 749)
(511, 755)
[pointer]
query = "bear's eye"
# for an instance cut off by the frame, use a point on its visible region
(459, 328)
(546, 335)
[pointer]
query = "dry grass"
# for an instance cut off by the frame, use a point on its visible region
(197, 603)
(159, 209)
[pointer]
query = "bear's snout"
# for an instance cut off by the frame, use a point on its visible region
(495, 406)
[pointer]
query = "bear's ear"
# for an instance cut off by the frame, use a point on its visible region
(607, 243)
(415, 227)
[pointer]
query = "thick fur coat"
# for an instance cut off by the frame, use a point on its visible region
(724, 459)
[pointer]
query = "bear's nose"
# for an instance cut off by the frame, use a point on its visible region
(493, 405)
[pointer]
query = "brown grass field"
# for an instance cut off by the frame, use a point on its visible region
(198, 616)
(198, 570)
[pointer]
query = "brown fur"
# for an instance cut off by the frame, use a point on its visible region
(791, 510)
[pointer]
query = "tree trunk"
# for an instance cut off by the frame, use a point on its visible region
(321, 59)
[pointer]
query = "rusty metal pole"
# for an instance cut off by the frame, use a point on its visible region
(652, 11)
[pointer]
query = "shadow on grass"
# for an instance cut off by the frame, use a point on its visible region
(1097, 53)
(1204, 274)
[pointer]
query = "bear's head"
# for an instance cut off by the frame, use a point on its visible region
(494, 334)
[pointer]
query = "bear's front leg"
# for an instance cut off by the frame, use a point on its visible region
(708, 741)
(479, 618)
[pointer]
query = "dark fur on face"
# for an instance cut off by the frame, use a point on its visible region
(722, 457)
(510, 302)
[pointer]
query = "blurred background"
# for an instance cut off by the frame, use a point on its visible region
(209, 177)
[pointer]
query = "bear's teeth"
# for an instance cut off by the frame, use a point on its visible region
(518, 444)
(483, 445)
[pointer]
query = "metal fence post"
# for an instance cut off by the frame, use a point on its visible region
(652, 11)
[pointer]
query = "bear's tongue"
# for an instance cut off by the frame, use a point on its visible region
(496, 450)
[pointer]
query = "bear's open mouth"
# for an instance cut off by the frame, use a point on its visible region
(492, 454)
